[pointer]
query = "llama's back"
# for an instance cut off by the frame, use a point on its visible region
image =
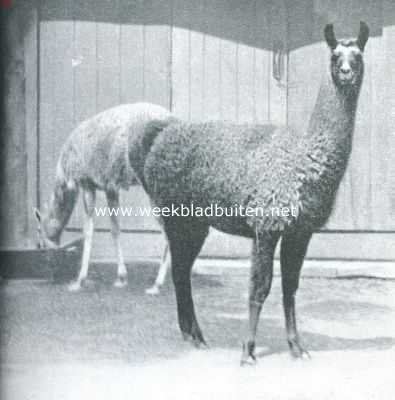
(229, 164)
(238, 159)
(217, 163)
(96, 151)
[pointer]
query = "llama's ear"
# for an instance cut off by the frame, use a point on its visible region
(363, 35)
(330, 36)
(37, 214)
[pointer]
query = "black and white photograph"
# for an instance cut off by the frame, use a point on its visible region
(197, 199)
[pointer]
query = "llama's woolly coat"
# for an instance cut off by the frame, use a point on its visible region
(250, 165)
(95, 153)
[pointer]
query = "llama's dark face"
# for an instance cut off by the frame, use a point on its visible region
(346, 63)
(347, 56)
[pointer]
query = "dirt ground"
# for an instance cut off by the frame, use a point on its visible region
(106, 343)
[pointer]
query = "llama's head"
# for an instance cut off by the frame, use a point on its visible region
(47, 229)
(347, 56)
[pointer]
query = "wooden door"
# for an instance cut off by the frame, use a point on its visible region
(219, 60)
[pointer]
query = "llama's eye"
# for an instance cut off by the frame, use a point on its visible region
(358, 57)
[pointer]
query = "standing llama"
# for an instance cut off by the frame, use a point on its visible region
(261, 167)
(95, 157)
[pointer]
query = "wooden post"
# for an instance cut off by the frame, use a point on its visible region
(15, 141)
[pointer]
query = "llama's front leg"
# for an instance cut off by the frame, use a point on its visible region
(163, 268)
(122, 273)
(260, 283)
(89, 200)
(293, 250)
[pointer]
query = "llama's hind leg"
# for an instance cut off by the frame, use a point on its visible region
(293, 250)
(261, 276)
(89, 200)
(185, 241)
(122, 273)
(165, 265)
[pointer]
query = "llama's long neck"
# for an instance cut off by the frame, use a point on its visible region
(61, 206)
(329, 135)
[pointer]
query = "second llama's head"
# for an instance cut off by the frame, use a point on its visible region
(47, 230)
(347, 56)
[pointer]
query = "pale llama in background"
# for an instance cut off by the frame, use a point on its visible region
(95, 157)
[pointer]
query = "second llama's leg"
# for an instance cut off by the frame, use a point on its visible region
(122, 273)
(89, 200)
(163, 268)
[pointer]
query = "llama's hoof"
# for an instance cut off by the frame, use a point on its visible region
(196, 338)
(154, 290)
(248, 355)
(74, 286)
(200, 344)
(121, 282)
(297, 351)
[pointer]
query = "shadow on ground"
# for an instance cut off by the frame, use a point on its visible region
(43, 322)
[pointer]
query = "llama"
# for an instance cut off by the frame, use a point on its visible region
(94, 157)
(257, 166)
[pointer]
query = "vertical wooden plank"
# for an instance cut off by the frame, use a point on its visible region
(197, 39)
(84, 60)
(262, 64)
(360, 194)
(228, 60)
(245, 18)
(157, 51)
(212, 77)
(108, 54)
(181, 59)
(384, 135)
(31, 119)
(305, 65)
(229, 82)
(56, 86)
(379, 142)
(277, 11)
(13, 138)
(131, 52)
(47, 78)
